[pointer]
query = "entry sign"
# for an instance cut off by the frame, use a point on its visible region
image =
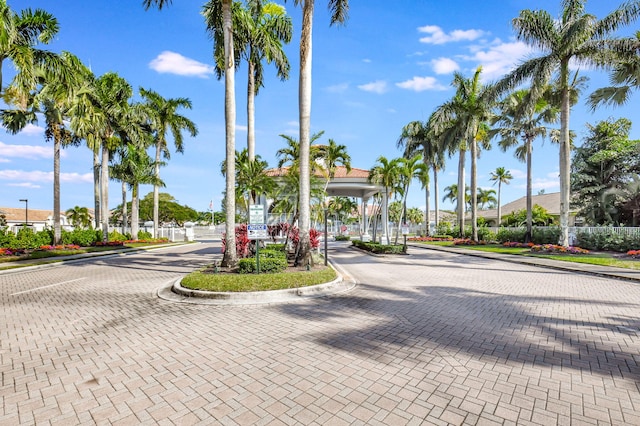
(257, 232)
(405, 229)
(256, 214)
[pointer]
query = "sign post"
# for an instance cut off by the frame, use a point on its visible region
(257, 229)
(405, 232)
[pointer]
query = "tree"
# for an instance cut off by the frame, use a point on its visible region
(386, 173)
(601, 168)
(260, 39)
(517, 122)
(462, 124)
(79, 217)
(222, 34)
(339, 10)
(576, 36)
(486, 198)
(52, 99)
(163, 118)
(291, 154)
(409, 169)
(331, 156)
(19, 34)
(500, 176)
(418, 137)
(251, 178)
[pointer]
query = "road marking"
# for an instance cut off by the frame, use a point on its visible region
(47, 286)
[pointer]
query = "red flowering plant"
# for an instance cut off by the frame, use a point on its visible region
(60, 247)
(10, 252)
(314, 238)
(447, 238)
(634, 253)
(517, 244)
(109, 243)
(554, 248)
(468, 242)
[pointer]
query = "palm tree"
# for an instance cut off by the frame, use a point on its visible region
(163, 118)
(261, 38)
(410, 168)
(251, 178)
(486, 198)
(461, 122)
(518, 123)
(500, 176)
(386, 173)
(52, 98)
(79, 217)
(575, 36)
(135, 167)
(331, 156)
(19, 34)
(339, 10)
(291, 154)
(415, 137)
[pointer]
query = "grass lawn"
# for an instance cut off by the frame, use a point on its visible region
(600, 258)
(208, 280)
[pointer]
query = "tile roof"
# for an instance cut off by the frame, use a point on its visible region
(341, 172)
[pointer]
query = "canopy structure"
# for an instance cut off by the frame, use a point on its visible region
(354, 183)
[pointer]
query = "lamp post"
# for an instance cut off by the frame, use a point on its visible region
(26, 211)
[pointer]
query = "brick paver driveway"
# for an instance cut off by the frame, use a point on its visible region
(431, 338)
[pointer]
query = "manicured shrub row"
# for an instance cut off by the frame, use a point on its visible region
(608, 241)
(25, 239)
(378, 248)
(271, 261)
(547, 235)
(342, 238)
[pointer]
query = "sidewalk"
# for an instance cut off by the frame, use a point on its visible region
(604, 271)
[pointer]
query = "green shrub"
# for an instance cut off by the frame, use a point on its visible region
(378, 248)
(144, 235)
(27, 239)
(607, 240)
(510, 234)
(547, 235)
(342, 237)
(485, 234)
(81, 237)
(117, 236)
(270, 253)
(280, 247)
(267, 265)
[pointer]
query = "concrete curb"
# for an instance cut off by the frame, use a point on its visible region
(176, 293)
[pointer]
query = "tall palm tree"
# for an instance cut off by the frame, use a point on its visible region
(52, 99)
(575, 36)
(386, 173)
(486, 198)
(261, 39)
(500, 176)
(163, 118)
(135, 167)
(221, 32)
(19, 34)
(291, 154)
(338, 10)
(418, 137)
(514, 123)
(461, 122)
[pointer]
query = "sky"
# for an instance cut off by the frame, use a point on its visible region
(390, 64)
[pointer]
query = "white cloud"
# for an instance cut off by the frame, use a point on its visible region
(174, 63)
(25, 185)
(366, 61)
(444, 65)
(499, 58)
(437, 36)
(420, 84)
(40, 176)
(378, 87)
(338, 88)
(518, 174)
(31, 129)
(24, 151)
(241, 128)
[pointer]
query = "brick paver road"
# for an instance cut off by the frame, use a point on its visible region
(431, 338)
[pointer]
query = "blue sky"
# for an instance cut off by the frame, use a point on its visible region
(391, 63)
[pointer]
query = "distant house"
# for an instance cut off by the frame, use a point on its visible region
(37, 219)
(549, 202)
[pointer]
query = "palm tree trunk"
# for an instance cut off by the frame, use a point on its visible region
(528, 237)
(461, 202)
(499, 202)
(125, 219)
(134, 212)
(437, 197)
(104, 188)
(474, 190)
(251, 113)
(230, 257)
(156, 191)
(304, 101)
(565, 159)
(96, 188)
(427, 213)
(57, 232)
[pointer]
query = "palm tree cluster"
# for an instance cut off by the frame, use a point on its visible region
(516, 117)
(76, 107)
